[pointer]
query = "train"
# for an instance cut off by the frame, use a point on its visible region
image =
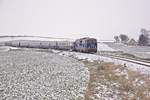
(85, 45)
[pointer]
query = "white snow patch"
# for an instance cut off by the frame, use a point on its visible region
(7, 48)
(104, 47)
(33, 38)
(105, 93)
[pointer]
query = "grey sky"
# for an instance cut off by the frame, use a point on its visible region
(74, 18)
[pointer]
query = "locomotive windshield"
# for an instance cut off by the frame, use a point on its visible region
(92, 43)
(85, 45)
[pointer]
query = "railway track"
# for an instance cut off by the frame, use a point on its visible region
(140, 62)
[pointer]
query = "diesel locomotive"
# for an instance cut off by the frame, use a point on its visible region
(87, 45)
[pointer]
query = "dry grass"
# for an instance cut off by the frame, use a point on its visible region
(130, 85)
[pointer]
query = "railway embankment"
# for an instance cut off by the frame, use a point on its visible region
(96, 57)
(116, 82)
(113, 79)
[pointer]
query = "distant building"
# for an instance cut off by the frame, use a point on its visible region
(132, 42)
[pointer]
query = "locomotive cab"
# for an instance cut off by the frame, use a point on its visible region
(92, 45)
(87, 45)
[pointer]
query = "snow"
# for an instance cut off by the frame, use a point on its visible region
(55, 76)
(104, 47)
(139, 51)
(30, 75)
(92, 57)
(32, 38)
(105, 93)
(7, 48)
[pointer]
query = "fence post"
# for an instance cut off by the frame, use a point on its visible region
(49, 45)
(56, 45)
(40, 45)
(19, 44)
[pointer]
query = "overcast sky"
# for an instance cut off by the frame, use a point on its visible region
(74, 18)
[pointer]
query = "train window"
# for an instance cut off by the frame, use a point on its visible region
(80, 42)
(84, 45)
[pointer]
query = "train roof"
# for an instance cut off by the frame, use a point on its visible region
(86, 38)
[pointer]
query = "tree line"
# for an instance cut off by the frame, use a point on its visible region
(144, 38)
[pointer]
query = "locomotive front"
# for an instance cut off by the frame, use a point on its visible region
(87, 45)
(91, 45)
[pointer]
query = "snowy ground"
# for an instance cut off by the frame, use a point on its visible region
(6, 48)
(92, 57)
(28, 75)
(116, 82)
(104, 47)
(139, 51)
(33, 38)
(58, 76)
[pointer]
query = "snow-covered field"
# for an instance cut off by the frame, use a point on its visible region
(139, 51)
(104, 47)
(33, 75)
(33, 38)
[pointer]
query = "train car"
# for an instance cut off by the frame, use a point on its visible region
(60, 45)
(64, 45)
(87, 45)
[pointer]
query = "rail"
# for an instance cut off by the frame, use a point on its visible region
(140, 62)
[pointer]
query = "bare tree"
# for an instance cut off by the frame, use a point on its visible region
(117, 39)
(124, 38)
(143, 31)
(144, 38)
